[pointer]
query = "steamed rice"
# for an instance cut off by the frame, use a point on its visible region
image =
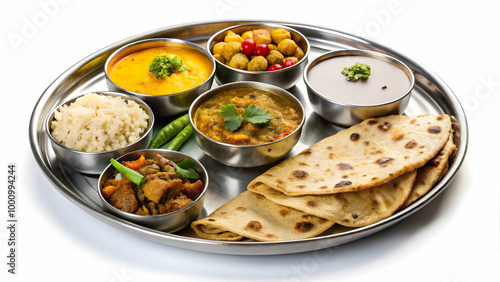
(98, 123)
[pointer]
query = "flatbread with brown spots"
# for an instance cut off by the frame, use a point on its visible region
(431, 172)
(251, 215)
(365, 155)
(351, 209)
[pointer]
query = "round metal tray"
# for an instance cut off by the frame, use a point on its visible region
(430, 95)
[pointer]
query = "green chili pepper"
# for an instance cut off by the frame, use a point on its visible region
(168, 132)
(134, 176)
(187, 169)
(176, 143)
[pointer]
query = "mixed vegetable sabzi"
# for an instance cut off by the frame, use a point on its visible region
(152, 186)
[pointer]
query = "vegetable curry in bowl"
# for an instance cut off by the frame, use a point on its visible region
(152, 186)
(247, 116)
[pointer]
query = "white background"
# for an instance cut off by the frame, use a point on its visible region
(453, 239)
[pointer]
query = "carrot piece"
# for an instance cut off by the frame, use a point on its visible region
(137, 164)
(108, 191)
(239, 138)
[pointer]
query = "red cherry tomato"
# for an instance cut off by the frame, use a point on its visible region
(288, 63)
(248, 47)
(274, 67)
(261, 50)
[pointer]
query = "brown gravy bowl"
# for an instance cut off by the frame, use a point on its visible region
(386, 91)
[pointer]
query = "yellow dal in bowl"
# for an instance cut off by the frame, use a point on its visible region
(132, 72)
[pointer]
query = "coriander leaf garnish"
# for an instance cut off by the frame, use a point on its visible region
(252, 114)
(357, 71)
(256, 115)
(166, 64)
(186, 169)
(233, 118)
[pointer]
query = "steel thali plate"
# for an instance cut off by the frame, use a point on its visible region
(430, 95)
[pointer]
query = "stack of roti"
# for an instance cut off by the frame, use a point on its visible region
(357, 177)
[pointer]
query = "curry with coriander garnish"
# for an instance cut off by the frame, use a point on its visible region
(161, 70)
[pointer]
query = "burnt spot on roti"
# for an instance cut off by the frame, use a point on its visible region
(279, 181)
(329, 147)
(301, 186)
(434, 129)
(254, 225)
(312, 204)
(345, 176)
(354, 215)
(435, 163)
(372, 121)
(344, 166)
(284, 212)
(323, 187)
(300, 174)
(307, 151)
(367, 143)
(384, 127)
(440, 117)
(304, 226)
(271, 236)
(302, 163)
(211, 219)
(411, 144)
(241, 209)
(355, 137)
(384, 161)
(343, 183)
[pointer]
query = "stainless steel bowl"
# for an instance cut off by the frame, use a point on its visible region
(162, 105)
(94, 163)
(169, 222)
(285, 78)
(346, 114)
(246, 155)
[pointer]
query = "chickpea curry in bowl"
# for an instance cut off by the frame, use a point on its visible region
(247, 124)
(259, 51)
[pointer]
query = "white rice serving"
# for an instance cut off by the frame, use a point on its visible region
(98, 123)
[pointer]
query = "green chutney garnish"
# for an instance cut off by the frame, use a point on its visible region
(357, 71)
